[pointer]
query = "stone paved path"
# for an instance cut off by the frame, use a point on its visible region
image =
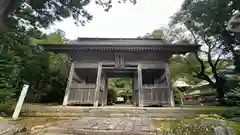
(9, 127)
(105, 126)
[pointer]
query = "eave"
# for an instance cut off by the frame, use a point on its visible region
(178, 48)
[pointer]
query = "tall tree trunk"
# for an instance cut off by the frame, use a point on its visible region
(220, 90)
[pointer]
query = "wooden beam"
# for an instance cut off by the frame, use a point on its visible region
(85, 65)
(172, 103)
(140, 92)
(98, 83)
(68, 88)
(153, 66)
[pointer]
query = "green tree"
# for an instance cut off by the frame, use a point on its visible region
(43, 72)
(121, 86)
(205, 64)
(209, 18)
(41, 13)
(206, 21)
(11, 63)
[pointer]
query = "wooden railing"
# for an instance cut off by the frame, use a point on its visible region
(82, 94)
(156, 94)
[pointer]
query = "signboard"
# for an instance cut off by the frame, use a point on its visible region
(120, 99)
(20, 102)
(119, 60)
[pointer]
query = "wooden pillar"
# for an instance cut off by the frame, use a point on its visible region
(169, 82)
(106, 90)
(69, 82)
(98, 84)
(133, 92)
(103, 87)
(140, 91)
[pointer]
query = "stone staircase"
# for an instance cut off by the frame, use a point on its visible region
(72, 111)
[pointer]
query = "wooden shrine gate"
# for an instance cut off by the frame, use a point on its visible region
(94, 60)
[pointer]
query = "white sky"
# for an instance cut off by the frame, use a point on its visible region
(123, 20)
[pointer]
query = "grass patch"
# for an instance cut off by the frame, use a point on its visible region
(235, 126)
(209, 107)
(182, 127)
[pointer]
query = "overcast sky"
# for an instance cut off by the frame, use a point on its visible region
(123, 20)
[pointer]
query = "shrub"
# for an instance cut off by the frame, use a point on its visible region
(233, 96)
(7, 107)
(112, 96)
(213, 116)
(231, 113)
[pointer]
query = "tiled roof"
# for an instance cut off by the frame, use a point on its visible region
(116, 41)
(120, 44)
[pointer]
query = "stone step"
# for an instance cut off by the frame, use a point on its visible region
(106, 114)
(55, 134)
(94, 132)
(71, 111)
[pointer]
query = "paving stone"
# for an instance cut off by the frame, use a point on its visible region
(128, 126)
(106, 126)
(56, 134)
(9, 127)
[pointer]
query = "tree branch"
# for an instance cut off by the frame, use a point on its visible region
(202, 70)
(192, 33)
(202, 74)
(210, 57)
(213, 67)
(217, 60)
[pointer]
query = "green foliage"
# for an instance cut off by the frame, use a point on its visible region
(121, 86)
(231, 113)
(213, 116)
(11, 63)
(233, 96)
(185, 67)
(43, 72)
(112, 96)
(44, 12)
(21, 63)
(206, 22)
(207, 18)
(7, 106)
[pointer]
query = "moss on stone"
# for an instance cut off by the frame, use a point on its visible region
(235, 126)
(182, 127)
